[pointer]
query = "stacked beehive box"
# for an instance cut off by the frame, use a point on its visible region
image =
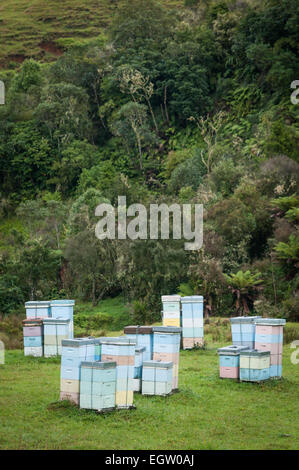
(156, 378)
(143, 336)
(171, 310)
(243, 331)
(269, 337)
(33, 337)
(123, 353)
(55, 330)
(192, 321)
(74, 352)
(167, 348)
(97, 385)
(38, 309)
(229, 359)
(139, 350)
(63, 309)
(254, 365)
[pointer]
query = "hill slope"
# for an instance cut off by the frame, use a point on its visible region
(41, 28)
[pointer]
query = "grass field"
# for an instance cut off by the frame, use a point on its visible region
(207, 413)
(43, 28)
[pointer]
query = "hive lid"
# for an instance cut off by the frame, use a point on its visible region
(98, 365)
(145, 330)
(77, 342)
(37, 303)
(166, 329)
(32, 322)
(244, 319)
(116, 339)
(56, 321)
(270, 321)
(232, 350)
(171, 298)
(254, 352)
(192, 299)
(163, 365)
(62, 303)
(137, 329)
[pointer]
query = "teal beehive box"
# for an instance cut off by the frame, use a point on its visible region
(61, 309)
(38, 309)
(254, 365)
(157, 378)
(98, 385)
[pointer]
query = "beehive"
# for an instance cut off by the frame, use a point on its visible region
(157, 378)
(254, 365)
(37, 309)
(55, 330)
(143, 336)
(192, 321)
(62, 309)
(123, 353)
(139, 350)
(229, 361)
(243, 331)
(73, 353)
(33, 337)
(269, 337)
(97, 385)
(167, 348)
(171, 310)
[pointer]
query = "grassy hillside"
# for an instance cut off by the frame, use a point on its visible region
(42, 28)
(207, 413)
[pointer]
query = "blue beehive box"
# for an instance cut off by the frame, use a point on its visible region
(98, 385)
(243, 331)
(192, 321)
(73, 353)
(254, 365)
(229, 359)
(38, 309)
(143, 335)
(157, 378)
(64, 309)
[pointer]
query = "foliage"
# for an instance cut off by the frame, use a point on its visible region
(244, 286)
(161, 102)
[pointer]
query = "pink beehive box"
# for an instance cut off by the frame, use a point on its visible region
(166, 357)
(276, 359)
(73, 397)
(32, 330)
(229, 372)
(268, 330)
(274, 348)
(120, 360)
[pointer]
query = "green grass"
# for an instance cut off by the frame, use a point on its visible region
(42, 29)
(115, 307)
(207, 413)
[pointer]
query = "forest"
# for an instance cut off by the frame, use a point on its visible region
(163, 105)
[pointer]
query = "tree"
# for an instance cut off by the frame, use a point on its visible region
(132, 126)
(140, 21)
(207, 279)
(245, 287)
(210, 131)
(288, 254)
(44, 217)
(38, 269)
(139, 87)
(63, 114)
(92, 265)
